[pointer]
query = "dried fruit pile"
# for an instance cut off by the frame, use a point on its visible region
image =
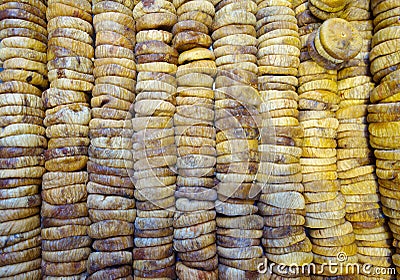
(383, 116)
(281, 203)
(355, 159)
(110, 190)
(65, 221)
(153, 140)
(193, 139)
(323, 54)
(239, 228)
(194, 220)
(22, 137)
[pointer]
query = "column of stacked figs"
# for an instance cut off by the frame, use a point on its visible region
(23, 45)
(194, 221)
(384, 117)
(65, 221)
(154, 149)
(355, 158)
(110, 189)
(281, 202)
(237, 122)
(330, 233)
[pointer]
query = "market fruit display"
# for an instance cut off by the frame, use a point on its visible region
(199, 139)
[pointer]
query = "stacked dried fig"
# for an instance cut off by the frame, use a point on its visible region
(237, 123)
(349, 10)
(281, 202)
(23, 46)
(23, 43)
(330, 50)
(65, 221)
(329, 231)
(385, 15)
(383, 121)
(384, 115)
(194, 221)
(355, 163)
(325, 205)
(384, 55)
(110, 200)
(325, 9)
(306, 23)
(154, 149)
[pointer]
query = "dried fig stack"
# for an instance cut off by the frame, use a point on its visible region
(237, 123)
(355, 163)
(277, 29)
(154, 149)
(345, 9)
(281, 202)
(383, 120)
(23, 43)
(329, 232)
(325, 205)
(195, 141)
(22, 144)
(110, 200)
(330, 50)
(384, 55)
(325, 9)
(23, 46)
(385, 15)
(307, 23)
(64, 209)
(384, 115)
